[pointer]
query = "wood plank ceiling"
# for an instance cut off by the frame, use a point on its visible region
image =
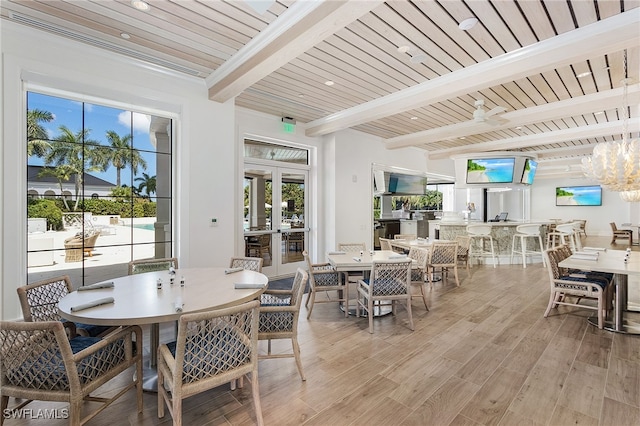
(402, 70)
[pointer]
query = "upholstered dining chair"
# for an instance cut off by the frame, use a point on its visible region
(323, 277)
(389, 281)
(419, 272)
(39, 302)
(249, 263)
(213, 347)
(152, 265)
(352, 247)
(279, 311)
(38, 362)
(575, 284)
(443, 256)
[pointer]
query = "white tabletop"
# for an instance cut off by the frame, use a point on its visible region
(608, 261)
(407, 244)
(348, 262)
(139, 301)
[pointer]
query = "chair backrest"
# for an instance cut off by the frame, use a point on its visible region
(36, 356)
(352, 247)
(463, 244)
(479, 229)
(152, 265)
(385, 244)
(614, 228)
(249, 263)
(444, 253)
(405, 237)
(390, 277)
(420, 256)
(220, 342)
(39, 301)
(278, 315)
(529, 229)
(566, 228)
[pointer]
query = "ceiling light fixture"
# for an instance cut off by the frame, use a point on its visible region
(403, 49)
(414, 118)
(125, 36)
(468, 23)
(616, 165)
(329, 83)
(140, 5)
(584, 74)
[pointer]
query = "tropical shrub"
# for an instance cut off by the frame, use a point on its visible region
(48, 210)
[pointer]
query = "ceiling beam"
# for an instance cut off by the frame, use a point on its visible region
(601, 101)
(298, 29)
(556, 136)
(608, 35)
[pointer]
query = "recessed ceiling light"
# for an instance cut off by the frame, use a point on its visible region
(301, 95)
(403, 49)
(140, 5)
(125, 36)
(583, 74)
(418, 58)
(468, 23)
(413, 118)
(462, 137)
(599, 112)
(518, 127)
(329, 83)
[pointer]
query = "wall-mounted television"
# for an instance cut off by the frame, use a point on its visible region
(529, 171)
(490, 170)
(579, 195)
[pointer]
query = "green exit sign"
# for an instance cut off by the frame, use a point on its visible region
(288, 127)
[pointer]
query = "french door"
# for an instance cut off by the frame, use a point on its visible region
(275, 216)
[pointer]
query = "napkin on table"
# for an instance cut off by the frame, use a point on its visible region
(357, 259)
(93, 304)
(96, 286)
(585, 255)
(594, 249)
(247, 285)
(232, 270)
(336, 252)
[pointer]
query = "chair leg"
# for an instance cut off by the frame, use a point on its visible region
(423, 290)
(370, 313)
(552, 298)
(255, 392)
(455, 274)
(75, 411)
(408, 305)
(296, 354)
(312, 296)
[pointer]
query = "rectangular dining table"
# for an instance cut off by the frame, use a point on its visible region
(138, 300)
(625, 319)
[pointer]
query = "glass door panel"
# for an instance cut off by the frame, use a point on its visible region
(293, 191)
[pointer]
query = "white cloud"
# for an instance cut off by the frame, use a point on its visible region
(141, 122)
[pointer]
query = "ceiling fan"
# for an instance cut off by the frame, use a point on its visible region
(482, 116)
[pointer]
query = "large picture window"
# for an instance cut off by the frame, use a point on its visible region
(99, 188)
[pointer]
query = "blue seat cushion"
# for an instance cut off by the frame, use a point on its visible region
(593, 279)
(92, 330)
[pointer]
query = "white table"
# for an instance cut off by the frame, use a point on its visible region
(408, 244)
(613, 261)
(139, 301)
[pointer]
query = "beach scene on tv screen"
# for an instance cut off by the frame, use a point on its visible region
(579, 196)
(490, 170)
(529, 172)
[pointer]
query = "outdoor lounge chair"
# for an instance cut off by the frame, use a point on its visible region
(76, 246)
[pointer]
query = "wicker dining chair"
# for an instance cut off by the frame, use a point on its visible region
(419, 272)
(213, 347)
(152, 265)
(323, 277)
(39, 362)
(389, 281)
(464, 243)
(39, 302)
(279, 311)
(249, 263)
(443, 257)
(575, 284)
(351, 247)
(385, 244)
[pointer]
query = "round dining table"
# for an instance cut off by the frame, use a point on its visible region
(152, 298)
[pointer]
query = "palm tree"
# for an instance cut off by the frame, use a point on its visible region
(62, 173)
(37, 143)
(74, 151)
(148, 183)
(122, 155)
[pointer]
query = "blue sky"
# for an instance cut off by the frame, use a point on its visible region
(99, 119)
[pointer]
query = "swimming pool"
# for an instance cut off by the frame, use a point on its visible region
(147, 226)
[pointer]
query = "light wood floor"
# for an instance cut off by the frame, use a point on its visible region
(482, 355)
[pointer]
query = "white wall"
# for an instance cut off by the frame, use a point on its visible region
(349, 210)
(613, 209)
(205, 135)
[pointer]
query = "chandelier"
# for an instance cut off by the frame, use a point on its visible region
(616, 165)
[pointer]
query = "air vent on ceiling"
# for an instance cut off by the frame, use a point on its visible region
(26, 20)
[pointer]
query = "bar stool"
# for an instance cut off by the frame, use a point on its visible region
(478, 234)
(566, 234)
(556, 237)
(524, 232)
